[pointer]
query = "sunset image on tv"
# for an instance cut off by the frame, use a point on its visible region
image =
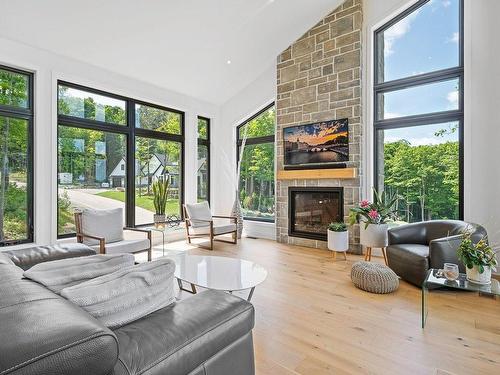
(319, 143)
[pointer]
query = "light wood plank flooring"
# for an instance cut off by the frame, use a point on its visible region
(310, 319)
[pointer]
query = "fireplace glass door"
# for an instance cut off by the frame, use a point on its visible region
(312, 209)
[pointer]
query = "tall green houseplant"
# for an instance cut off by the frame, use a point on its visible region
(160, 195)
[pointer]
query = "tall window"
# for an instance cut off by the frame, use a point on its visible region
(16, 156)
(255, 145)
(203, 167)
(418, 97)
(110, 150)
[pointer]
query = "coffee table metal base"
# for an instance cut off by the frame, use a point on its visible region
(181, 287)
(194, 291)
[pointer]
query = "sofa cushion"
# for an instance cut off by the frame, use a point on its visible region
(127, 294)
(42, 333)
(27, 258)
(107, 224)
(219, 229)
(125, 246)
(199, 214)
(410, 261)
(178, 338)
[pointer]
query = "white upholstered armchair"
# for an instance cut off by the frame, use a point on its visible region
(200, 223)
(103, 231)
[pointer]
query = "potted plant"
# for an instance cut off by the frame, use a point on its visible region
(160, 194)
(479, 258)
(373, 217)
(338, 237)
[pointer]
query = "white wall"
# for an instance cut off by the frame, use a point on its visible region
(246, 103)
(481, 104)
(48, 68)
(482, 119)
(482, 128)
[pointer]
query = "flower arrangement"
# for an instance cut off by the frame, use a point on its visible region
(478, 254)
(377, 212)
(338, 227)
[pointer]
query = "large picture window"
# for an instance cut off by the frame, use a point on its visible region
(110, 151)
(255, 145)
(203, 168)
(16, 156)
(418, 116)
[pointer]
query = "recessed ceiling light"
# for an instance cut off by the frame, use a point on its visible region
(228, 62)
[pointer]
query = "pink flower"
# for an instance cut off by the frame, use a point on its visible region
(373, 214)
(364, 203)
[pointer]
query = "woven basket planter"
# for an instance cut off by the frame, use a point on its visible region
(374, 277)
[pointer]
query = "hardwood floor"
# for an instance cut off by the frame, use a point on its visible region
(310, 319)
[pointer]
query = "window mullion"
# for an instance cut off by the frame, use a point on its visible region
(433, 77)
(130, 187)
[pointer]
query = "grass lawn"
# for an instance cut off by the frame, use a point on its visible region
(145, 201)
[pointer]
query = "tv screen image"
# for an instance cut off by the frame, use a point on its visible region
(318, 144)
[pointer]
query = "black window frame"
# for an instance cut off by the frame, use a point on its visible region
(27, 114)
(419, 80)
(131, 132)
(206, 143)
(255, 141)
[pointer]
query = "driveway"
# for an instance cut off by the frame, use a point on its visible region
(87, 198)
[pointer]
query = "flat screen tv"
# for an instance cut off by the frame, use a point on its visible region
(318, 145)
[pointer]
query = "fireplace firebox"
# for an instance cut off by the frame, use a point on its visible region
(311, 209)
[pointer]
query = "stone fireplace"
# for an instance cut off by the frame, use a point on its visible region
(319, 79)
(312, 209)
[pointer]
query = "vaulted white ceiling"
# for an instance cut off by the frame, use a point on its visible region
(181, 45)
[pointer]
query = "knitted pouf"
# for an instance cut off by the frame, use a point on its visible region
(374, 277)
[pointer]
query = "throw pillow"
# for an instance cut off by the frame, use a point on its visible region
(127, 294)
(107, 224)
(59, 274)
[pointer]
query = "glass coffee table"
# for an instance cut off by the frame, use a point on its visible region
(433, 281)
(220, 273)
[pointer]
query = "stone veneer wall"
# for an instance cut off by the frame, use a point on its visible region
(319, 78)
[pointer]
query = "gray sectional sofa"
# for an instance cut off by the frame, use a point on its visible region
(42, 333)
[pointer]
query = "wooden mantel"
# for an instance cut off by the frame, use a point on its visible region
(312, 174)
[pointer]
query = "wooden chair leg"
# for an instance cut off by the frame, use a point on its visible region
(334, 255)
(385, 255)
(150, 250)
(345, 255)
(368, 256)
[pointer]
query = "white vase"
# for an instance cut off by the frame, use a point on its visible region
(236, 211)
(374, 235)
(474, 276)
(338, 241)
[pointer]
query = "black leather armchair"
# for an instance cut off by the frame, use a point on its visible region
(414, 248)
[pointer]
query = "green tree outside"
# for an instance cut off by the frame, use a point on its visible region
(425, 178)
(256, 185)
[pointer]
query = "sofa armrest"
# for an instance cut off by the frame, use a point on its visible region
(42, 333)
(444, 250)
(410, 233)
(27, 258)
